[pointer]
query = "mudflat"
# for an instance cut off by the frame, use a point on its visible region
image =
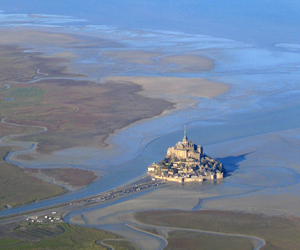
(69, 178)
(77, 113)
(18, 66)
(76, 110)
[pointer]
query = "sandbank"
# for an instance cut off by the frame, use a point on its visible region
(181, 63)
(264, 177)
(176, 89)
(133, 56)
(27, 36)
(187, 63)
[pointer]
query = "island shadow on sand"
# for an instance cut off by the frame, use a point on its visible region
(231, 163)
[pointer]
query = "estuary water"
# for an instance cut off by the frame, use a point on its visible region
(255, 46)
(261, 23)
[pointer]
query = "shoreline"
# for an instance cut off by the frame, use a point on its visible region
(107, 138)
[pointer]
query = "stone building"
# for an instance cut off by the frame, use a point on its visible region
(185, 150)
(186, 162)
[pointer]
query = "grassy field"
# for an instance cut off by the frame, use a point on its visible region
(57, 236)
(278, 232)
(18, 187)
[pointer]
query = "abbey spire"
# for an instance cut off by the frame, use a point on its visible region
(186, 162)
(185, 139)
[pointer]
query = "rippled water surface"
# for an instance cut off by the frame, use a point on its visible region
(255, 46)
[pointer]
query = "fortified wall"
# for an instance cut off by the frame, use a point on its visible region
(186, 162)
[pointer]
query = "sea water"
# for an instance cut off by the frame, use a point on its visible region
(255, 45)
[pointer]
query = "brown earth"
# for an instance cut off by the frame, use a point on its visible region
(18, 66)
(7, 129)
(278, 232)
(76, 113)
(81, 113)
(71, 176)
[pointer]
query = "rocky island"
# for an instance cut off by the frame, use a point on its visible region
(186, 162)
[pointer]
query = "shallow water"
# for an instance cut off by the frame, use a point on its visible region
(262, 23)
(255, 47)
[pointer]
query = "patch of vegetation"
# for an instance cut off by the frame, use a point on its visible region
(178, 240)
(166, 163)
(76, 113)
(278, 232)
(17, 187)
(8, 242)
(60, 236)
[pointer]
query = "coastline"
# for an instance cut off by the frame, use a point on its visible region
(132, 131)
(165, 110)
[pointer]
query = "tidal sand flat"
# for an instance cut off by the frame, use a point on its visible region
(43, 91)
(188, 63)
(245, 113)
(163, 62)
(134, 56)
(32, 37)
(176, 89)
(263, 178)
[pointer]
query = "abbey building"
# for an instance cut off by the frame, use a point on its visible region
(186, 162)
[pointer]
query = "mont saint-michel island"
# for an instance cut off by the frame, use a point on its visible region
(186, 162)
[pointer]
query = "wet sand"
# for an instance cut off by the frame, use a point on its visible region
(188, 63)
(262, 161)
(175, 89)
(32, 37)
(262, 156)
(263, 178)
(133, 56)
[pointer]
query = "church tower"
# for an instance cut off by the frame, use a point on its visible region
(185, 139)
